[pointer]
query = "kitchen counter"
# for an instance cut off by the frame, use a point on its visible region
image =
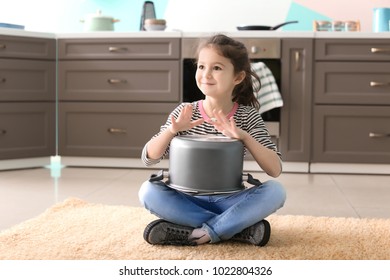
(24, 33)
(179, 34)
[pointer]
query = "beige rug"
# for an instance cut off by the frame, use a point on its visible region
(79, 230)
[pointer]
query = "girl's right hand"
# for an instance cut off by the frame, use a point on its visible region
(183, 121)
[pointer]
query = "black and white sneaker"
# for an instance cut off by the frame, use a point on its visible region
(257, 234)
(161, 232)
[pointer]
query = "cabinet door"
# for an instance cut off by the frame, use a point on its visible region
(351, 134)
(119, 48)
(109, 129)
(119, 81)
(27, 80)
(353, 49)
(26, 47)
(296, 90)
(27, 130)
(360, 83)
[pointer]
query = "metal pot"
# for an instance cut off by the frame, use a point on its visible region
(206, 163)
(264, 27)
(98, 22)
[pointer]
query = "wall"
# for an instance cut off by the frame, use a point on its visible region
(221, 15)
(187, 15)
(63, 16)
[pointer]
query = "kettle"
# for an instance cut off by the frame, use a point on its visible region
(381, 19)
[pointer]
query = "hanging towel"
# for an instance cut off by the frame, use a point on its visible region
(268, 96)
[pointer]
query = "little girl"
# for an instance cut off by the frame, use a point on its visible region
(229, 109)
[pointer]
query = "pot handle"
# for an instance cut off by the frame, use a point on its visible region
(159, 176)
(249, 178)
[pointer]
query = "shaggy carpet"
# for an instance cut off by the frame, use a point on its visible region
(78, 230)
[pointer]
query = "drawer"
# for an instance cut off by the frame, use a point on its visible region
(352, 83)
(27, 130)
(119, 48)
(351, 134)
(264, 48)
(23, 47)
(27, 80)
(110, 129)
(119, 80)
(352, 49)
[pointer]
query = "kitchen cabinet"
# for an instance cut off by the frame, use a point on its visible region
(114, 95)
(351, 101)
(296, 89)
(109, 129)
(27, 97)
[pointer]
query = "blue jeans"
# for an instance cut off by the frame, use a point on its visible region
(222, 215)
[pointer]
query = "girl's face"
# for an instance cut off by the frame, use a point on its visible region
(215, 74)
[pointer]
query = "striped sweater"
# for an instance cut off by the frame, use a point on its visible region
(246, 118)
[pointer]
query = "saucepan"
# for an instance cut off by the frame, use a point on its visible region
(264, 27)
(204, 164)
(99, 22)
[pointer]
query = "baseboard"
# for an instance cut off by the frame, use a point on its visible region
(249, 166)
(350, 168)
(23, 163)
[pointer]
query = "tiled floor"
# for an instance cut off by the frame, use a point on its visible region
(26, 193)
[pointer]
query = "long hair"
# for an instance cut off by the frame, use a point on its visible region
(236, 52)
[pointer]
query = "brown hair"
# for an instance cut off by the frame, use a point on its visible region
(236, 51)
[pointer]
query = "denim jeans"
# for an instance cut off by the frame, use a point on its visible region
(222, 215)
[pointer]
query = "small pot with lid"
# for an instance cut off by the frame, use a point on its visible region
(99, 22)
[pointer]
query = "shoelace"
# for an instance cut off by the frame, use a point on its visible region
(178, 237)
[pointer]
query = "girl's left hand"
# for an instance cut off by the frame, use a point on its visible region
(227, 126)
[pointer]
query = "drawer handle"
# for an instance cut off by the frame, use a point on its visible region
(3, 132)
(379, 84)
(116, 81)
(117, 131)
(297, 61)
(379, 50)
(117, 49)
(3, 46)
(378, 135)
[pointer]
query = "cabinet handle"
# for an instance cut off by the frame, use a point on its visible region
(117, 131)
(379, 84)
(254, 49)
(3, 131)
(378, 135)
(117, 49)
(379, 50)
(3, 46)
(116, 81)
(297, 61)
(3, 80)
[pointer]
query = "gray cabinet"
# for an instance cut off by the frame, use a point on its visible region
(296, 88)
(113, 96)
(27, 97)
(352, 101)
(110, 80)
(109, 129)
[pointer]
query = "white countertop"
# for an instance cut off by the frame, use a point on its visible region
(179, 34)
(23, 33)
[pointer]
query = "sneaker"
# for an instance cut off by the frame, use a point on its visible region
(258, 234)
(161, 232)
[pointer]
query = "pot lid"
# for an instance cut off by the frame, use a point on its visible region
(98, 14)
(207, 138)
